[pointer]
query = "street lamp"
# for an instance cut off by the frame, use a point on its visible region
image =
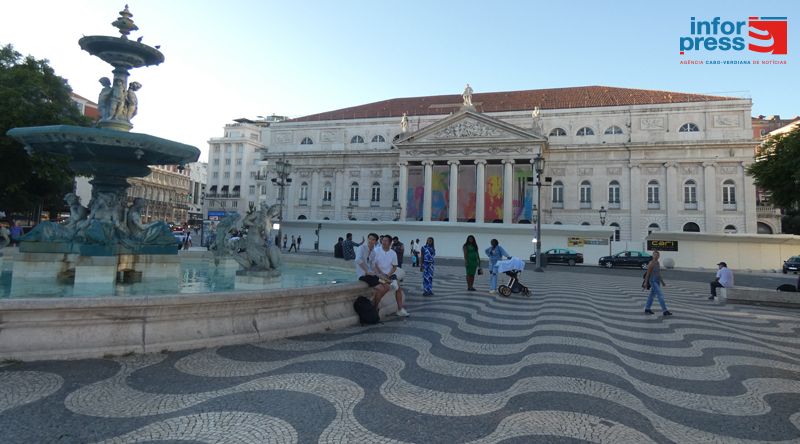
(603, 214)
(283, 169)
(538, 166)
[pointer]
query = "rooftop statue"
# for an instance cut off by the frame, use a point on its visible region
(467, 95)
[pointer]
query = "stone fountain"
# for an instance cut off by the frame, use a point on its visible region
(108, 239)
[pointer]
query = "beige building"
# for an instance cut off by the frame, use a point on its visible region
(166, 190)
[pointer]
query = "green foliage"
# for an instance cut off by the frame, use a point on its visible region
(31, 94)
(777, 169)
(790, 222)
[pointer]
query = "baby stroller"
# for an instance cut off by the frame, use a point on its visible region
(512, 267)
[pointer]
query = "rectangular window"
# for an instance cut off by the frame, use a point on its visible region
(216, 148)
(613, 195)
(558, 194)
(652, 194)
(227, 161)
(216, 161)
(235, 204)
(238, 161)
(238, 175)
(252, 174)
(239, 147)
(215, 174)
(263, 190)
(251, 189)
(690, 194)
(227, 175)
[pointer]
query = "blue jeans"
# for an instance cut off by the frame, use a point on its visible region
(655, 290)
(493, 276)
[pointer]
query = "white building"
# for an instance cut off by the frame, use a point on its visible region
(198, 177)
(655, 160)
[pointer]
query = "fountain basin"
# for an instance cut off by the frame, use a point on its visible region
(121, 52)
(75, 328)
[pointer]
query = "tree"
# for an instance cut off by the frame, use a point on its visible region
(31, 94)
(777, 169)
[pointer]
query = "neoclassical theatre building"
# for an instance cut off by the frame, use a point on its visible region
(654, 160)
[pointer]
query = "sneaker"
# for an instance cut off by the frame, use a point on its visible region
(402, 313)
(471, 289)
(648, 311)
(711, 298)
(667, 313)
(492, 292)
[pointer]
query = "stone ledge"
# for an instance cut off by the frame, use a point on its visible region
(763, 296)
(36, 329)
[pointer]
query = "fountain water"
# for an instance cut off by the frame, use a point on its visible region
(108, 237)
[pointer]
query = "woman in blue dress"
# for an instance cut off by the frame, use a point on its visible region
(495, 253)
(428, 254)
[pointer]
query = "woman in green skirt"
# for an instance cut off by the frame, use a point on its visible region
(472, 261)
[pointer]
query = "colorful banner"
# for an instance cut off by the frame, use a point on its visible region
(522, 202)
(467, 187)
(493, 200)
(439, 195)
(415, 193)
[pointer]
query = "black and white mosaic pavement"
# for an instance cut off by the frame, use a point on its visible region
(577, 362)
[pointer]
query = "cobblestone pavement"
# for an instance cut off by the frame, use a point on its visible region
(578, 361)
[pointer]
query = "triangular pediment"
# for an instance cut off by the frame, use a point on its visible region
(468, 126)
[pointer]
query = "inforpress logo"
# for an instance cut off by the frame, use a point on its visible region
(765, 35)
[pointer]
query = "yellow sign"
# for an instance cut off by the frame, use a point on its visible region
(575, 241)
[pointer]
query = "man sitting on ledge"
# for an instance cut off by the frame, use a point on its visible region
(724, 280)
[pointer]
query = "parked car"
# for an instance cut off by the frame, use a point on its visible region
(560, 256)
(637, 259)
(791, 264)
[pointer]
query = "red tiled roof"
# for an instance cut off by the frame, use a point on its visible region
(554, 98)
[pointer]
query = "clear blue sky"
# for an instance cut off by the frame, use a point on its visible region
(233, 59)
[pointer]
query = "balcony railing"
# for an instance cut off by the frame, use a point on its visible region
(586, 205)
(731, 206)
(614, 206)
(653, 205)
(690, 205)
(558, 205)
(767, 211)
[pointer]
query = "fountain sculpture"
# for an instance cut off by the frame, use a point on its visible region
(107, 236)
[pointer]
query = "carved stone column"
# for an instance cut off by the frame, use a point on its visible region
(748, 196)
(338, 194)
(402, 193)
(428, 196)
(508, 191)
(452, 205)
(710, 196)
(480, 190)
(314, 200)
(673, 196)
(635, 202)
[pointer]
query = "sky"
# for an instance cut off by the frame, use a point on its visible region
(242, 58)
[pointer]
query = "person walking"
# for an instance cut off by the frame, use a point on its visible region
(299, 240)
(472, 261)
(724, 280)
(284, 241)
(294, 245)
(428, 254)
(495, 253)
(654, 282)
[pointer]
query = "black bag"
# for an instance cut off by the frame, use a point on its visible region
(370, 279)
(367, 313)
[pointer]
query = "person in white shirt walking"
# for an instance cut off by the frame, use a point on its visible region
(724, 279)
(384, 262)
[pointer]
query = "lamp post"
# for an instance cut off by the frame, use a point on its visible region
(603, 214)
(283, 169)
(538, 166)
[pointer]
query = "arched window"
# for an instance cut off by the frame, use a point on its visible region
(690, 194)
(653, 199)
(688, 128)
(396, 192)
(327, 192)
(558, 194)
(585, 131)
(691, 227)
(306, 141)
(614, 129)
(356, 139)
(557, 222)
(376, 192)
(557, 132)
(585, 223)
(729, 229)
(354, 192)
(374, 219)
(763, 228)
(729, 193)
(303, 191)
(302, 217)
(653, 228)
(613, 194)
(616, 230)
(378, 138)
(326, 218)
(586, 194)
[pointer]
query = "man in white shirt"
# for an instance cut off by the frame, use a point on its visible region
(384, 262)
(366, 272)
(724, 279)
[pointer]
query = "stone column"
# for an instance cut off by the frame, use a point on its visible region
(508, 192)
(402, 193)
(452, 206)
(635, 202)
(748, 196)
(710, 203)
(480, 190)
(428, 196)
(314, 201)
(338, 194)
(672, 199)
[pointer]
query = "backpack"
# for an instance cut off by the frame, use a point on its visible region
(367, 313)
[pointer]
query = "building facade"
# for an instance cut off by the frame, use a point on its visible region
(198, 177)
(653, 160)
(166, 190)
